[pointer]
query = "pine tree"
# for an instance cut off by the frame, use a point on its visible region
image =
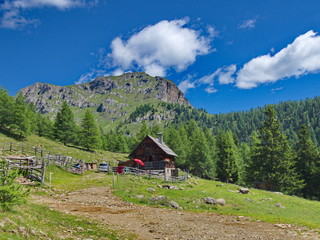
(64, 125)
(144, 131)
(201, 162)
(272, 159)
(44, 126)
(21, 117)
(89, 132)
(227, 157)
(174, 139)
(306, 162)
(155, 130)
(6, 104)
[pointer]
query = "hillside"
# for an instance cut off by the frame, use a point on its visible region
(111, 99)
(58, 148)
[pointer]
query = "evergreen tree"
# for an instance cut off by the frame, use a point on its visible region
(144, 131)
(272, 159)
(20, 118)
(6, 104)
(174, 138)
(201, 162)
(155, 130)
(121, 145)
(227, 157)
(89, 132)
(64, 125)
(306, 162)
(44, 126)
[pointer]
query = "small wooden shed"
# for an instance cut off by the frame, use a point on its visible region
(154, 153)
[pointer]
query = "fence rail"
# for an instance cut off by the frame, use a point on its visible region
(159, 174)
(40, 158)
(47, 156)
(33, 168)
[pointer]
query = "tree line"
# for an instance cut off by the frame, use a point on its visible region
(267, 160)
(266, 157)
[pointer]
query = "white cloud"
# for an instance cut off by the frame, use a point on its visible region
(159, 48)
(212, 31)
(298, 58)
(248, 24)
(208, 79)
(224, 75)
(211, 90)
(185, 85)
(13, 20)
(12, 10)
(117, 72)
(90, 76)
(61, 4)
(276, 89)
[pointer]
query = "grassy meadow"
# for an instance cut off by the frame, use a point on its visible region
(257, 204)
(59, 148)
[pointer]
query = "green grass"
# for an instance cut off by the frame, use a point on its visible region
(66, 181)
(33, 221)
(36, 221)
(297, 211)
(59, 148)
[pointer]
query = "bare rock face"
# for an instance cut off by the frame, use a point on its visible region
(167, 91)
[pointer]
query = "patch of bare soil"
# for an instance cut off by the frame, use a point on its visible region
(160, 223)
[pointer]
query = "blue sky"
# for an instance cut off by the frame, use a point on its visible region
(225, 55)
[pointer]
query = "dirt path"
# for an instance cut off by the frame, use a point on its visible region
(159, 223)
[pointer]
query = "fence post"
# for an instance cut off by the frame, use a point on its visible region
(35, 151)
(43, 171)
(10, 147)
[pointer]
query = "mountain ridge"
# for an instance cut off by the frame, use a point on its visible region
(111, 99)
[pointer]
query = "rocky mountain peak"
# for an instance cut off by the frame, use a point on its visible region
(110, 97)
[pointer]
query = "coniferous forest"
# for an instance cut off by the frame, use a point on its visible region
(274, 147)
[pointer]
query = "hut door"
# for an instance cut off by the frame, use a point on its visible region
(150, 158)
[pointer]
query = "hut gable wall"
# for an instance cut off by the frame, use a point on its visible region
(148, 151)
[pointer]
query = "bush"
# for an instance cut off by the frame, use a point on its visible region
(11, 193)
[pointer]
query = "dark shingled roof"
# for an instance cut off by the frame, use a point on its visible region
(163, 146)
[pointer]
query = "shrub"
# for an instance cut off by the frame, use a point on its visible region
(11, 193)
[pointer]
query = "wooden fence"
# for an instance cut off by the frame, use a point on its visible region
(33, 167)
(47, 156)
(39, 159)
(159, 174)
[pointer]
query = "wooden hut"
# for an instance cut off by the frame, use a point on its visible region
(154, 153)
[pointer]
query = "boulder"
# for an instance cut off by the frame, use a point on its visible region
(209, 200)
(280, 193)
(158, 199)
(244, 190)
(279, 205)
(151, 189)
(173, 204)
(221, 201)
(139, 196)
